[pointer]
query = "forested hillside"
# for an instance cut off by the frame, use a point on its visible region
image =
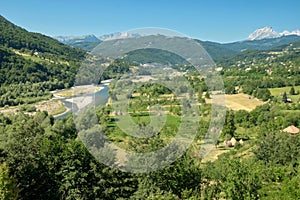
(35, 62)
(18, 38)
(280, 54)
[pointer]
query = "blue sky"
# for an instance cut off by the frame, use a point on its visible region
(214, 20)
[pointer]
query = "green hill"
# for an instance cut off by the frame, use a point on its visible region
(218, 50)
(264, 44)
(32, 64)
(154, 56)
(33, 57)
(279, 54)
(86, 46)
(18, 38)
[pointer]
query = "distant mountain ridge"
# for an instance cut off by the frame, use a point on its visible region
(268, 32)
(89, 42)
(280, 54)
(70, 40)
(262, 44)
(77, 39)
(262, 39)
(118, 35)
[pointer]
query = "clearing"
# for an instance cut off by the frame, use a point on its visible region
(242, 102)
(277, 92)
(52, 106)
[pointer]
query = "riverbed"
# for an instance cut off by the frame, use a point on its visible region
(98, 96)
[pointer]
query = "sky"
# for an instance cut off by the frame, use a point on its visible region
(213, 20)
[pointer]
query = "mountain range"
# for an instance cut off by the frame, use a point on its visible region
(261, 39)
(49, 48)
(259, 34)
(77, 39)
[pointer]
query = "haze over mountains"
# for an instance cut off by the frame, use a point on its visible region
(77, 39)
(261, 39)
(93, 38)
(259, 34)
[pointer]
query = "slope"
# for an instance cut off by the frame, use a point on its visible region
(18, 38)
(32, 64)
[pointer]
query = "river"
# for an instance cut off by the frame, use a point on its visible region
(101, 98)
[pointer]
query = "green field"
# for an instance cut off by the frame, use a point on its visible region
(277, 92)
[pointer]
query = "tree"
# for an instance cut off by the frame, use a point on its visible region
(292, 91)
(262, 93)
(231, 178)
(278, 148)
(230, 89)
(8, 185)
(229, 126)
(175, 180)
(284, 97)
(207, 96)
(26, 160)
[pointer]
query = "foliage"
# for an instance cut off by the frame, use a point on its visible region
(229, 126)
(232, 179)
(279, 148)
(292, 91)
(284, 97)
(8, 185)
(33, 63)
(262, 93)
(151, 55)
(18, 38)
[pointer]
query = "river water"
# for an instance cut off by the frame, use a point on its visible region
(101, 98)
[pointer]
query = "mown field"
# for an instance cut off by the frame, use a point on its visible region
(242, 102)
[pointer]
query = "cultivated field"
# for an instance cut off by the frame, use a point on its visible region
(242, 102)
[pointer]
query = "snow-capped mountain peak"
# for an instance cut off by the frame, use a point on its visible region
(76, 39)
(118, 35)
(287, 33)
(263, 33)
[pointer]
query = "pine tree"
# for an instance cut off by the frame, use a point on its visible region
(284, 97)
(292, 91)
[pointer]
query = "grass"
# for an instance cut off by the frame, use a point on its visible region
(38, 59)
(242, 102)
(214, 154)
(65, 93)
(59, 110)
(277, 92)
(295, 112)
(53, 107)
(35, 59)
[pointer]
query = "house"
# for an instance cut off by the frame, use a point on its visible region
(291, 129)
